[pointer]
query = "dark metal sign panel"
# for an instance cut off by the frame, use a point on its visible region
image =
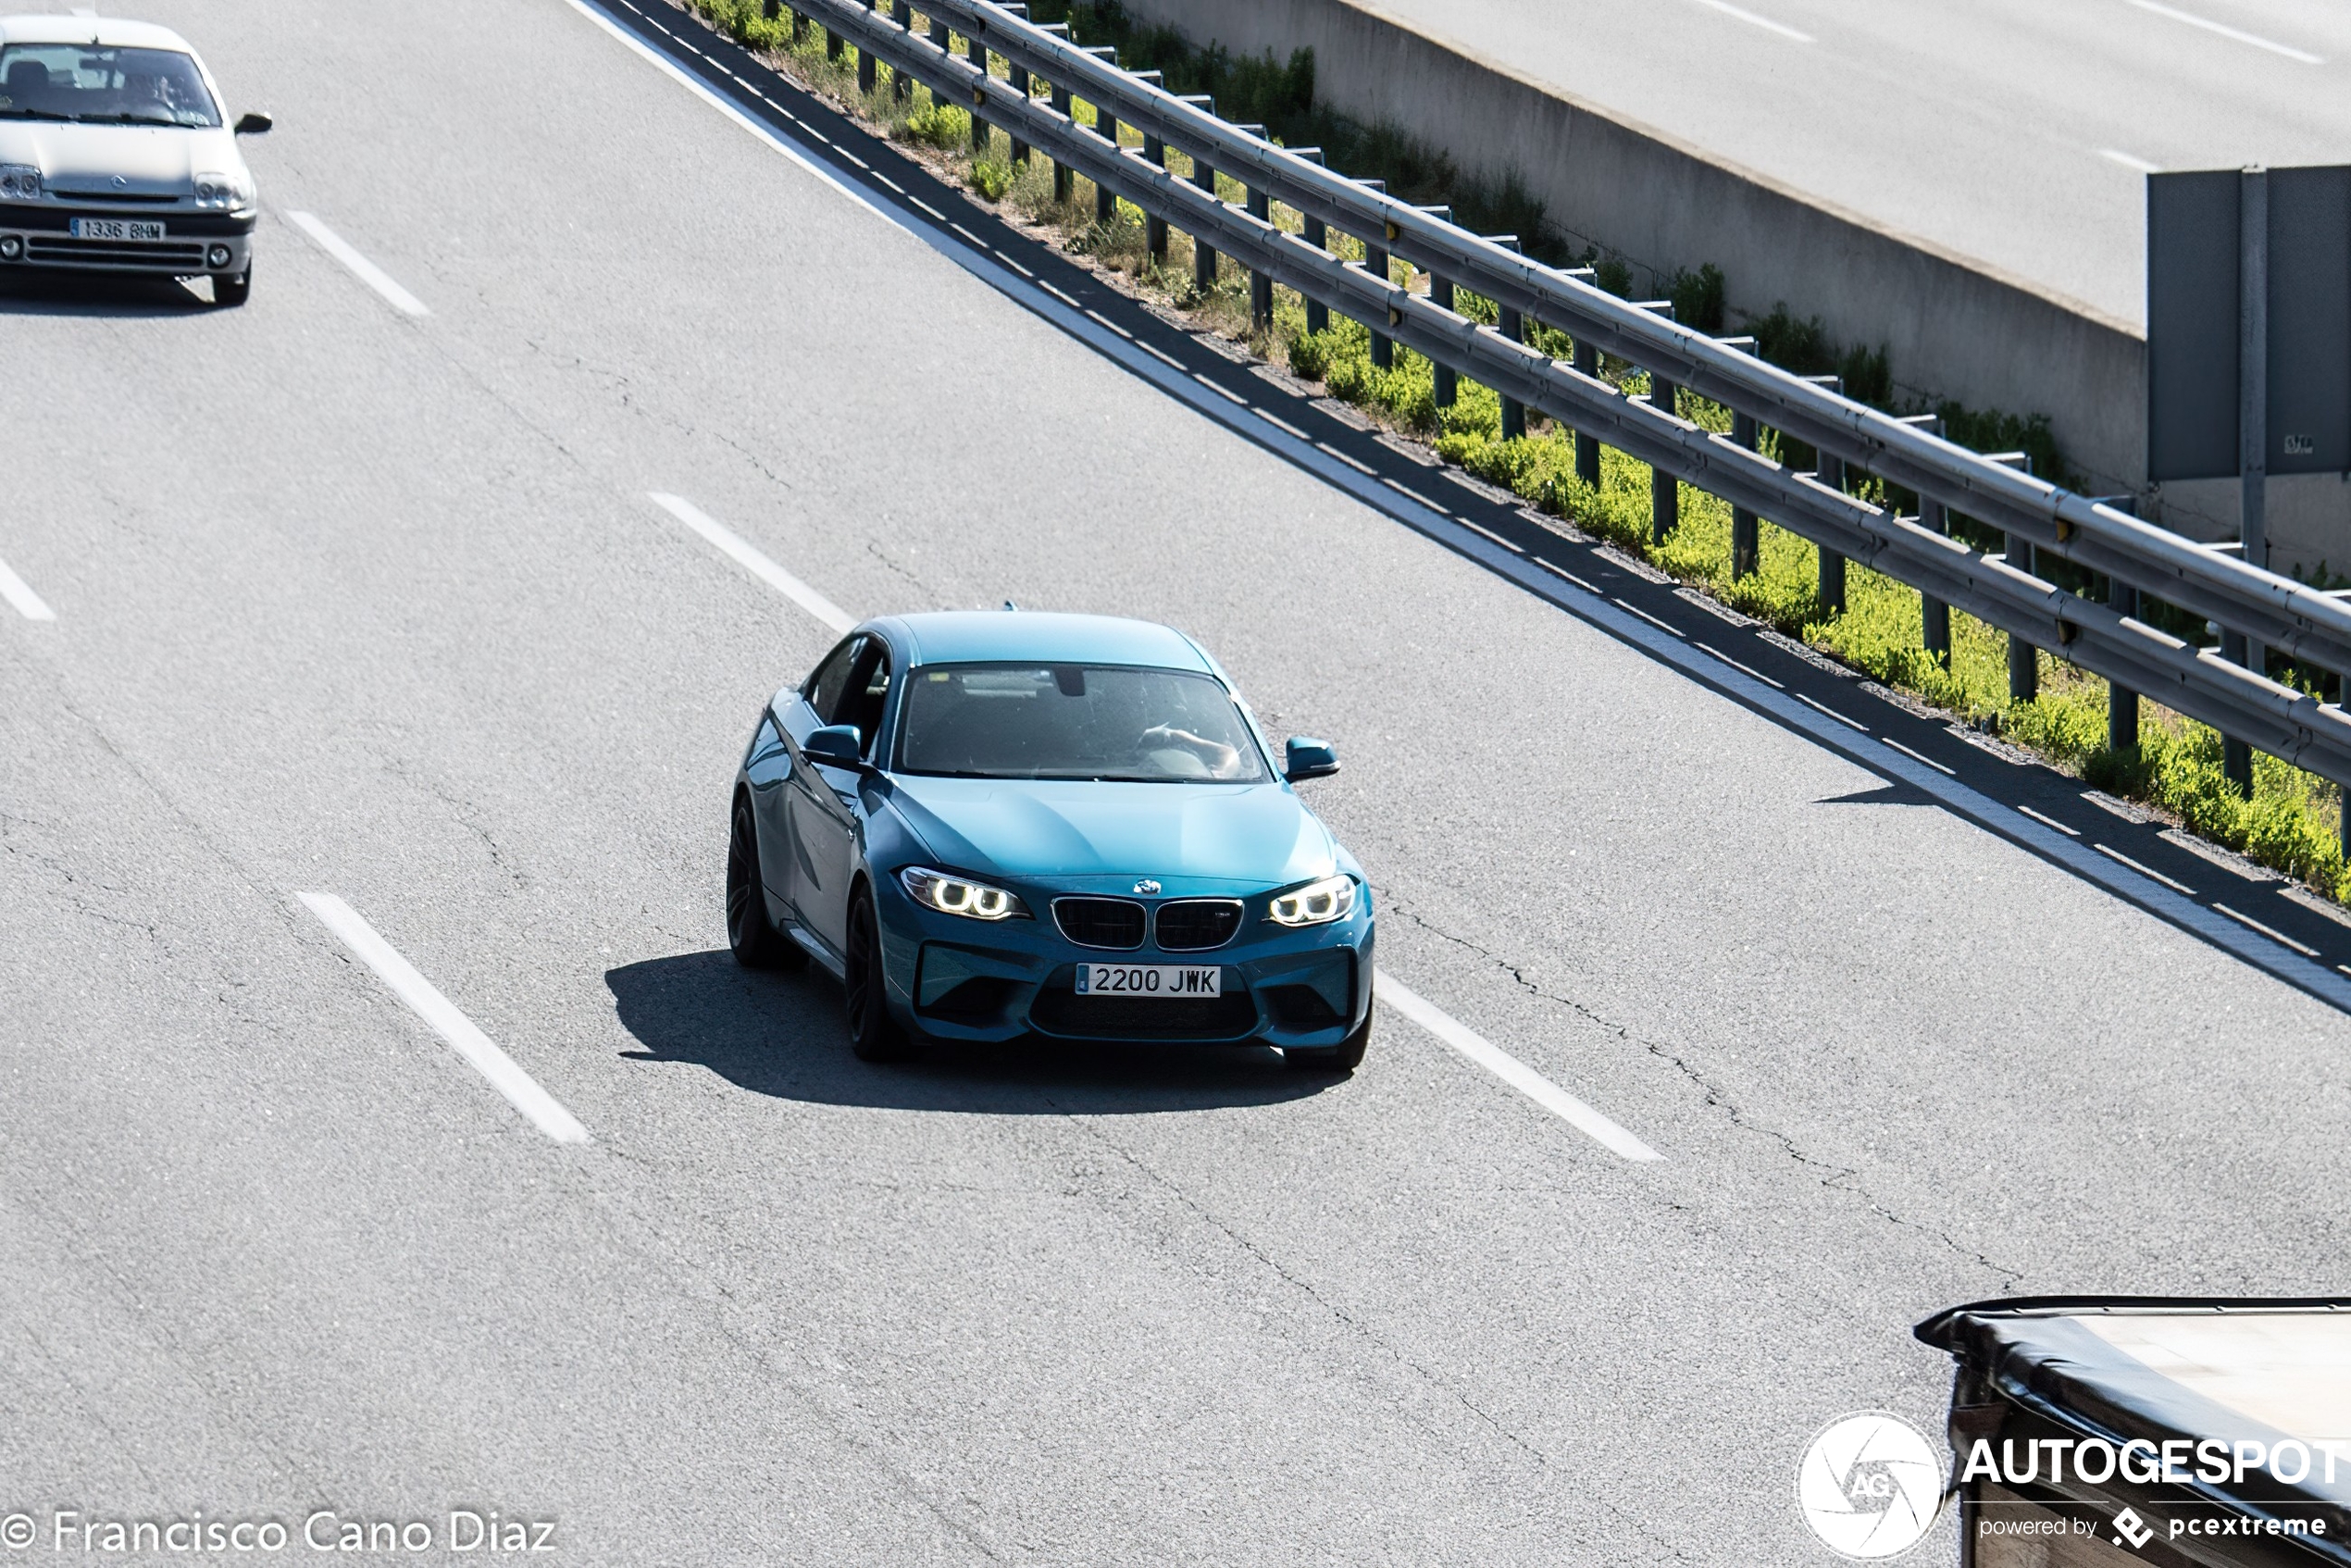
(2194, 305)
(2309, 320)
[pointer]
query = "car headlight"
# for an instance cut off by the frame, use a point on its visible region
(1317, 904)
(19, 182)
(230, 191)
(955, 895)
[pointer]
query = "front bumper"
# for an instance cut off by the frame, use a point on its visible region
(41, 235)
(959, 979)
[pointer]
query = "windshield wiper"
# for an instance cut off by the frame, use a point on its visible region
(40, 114)
(127, 118)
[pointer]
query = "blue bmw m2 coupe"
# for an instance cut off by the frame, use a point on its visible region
(989, 825)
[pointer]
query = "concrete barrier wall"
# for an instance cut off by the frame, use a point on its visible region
(1951, 328)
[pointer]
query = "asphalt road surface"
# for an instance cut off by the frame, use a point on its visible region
(2013, 133)
(353, 602)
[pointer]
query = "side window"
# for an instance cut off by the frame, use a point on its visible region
(825, 688)
(869, 692)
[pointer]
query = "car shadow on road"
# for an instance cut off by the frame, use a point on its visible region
(781, 1035)
(83, 294)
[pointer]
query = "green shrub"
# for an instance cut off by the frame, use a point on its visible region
(991, 177)
(943, 126)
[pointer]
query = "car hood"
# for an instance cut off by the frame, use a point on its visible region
(1193, 838)
(153, 160)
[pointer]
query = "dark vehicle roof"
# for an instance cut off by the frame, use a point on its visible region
(2166, 1368)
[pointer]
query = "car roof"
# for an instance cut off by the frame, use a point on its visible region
(106, 32)
(980, 635)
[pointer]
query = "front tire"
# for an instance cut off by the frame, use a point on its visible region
(756, 942)
(1342, 1058)
(232, 289)
(874, 1035)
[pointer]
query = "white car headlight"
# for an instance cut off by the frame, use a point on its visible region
(1317, 904)
(19, 182)
(226, 190)
(954, 895)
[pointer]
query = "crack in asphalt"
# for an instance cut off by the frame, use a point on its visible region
(1833, 1178)
(464, 810)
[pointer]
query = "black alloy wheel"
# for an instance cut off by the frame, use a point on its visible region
(874, 1035)
(1344, 1057)
(229, 290)
(756, 942)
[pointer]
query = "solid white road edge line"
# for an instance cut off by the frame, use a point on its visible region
(764, 133)
(1509, 1069)
(1766, 23)
(740, 550)
(1332, 467)
(424, 1000)
(2209, 25)
(18, 592)
(360, 267)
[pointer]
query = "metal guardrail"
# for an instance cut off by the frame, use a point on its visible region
(2261, 606)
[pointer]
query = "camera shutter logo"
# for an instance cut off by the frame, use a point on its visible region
(1869, 1486)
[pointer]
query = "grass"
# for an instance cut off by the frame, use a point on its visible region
(2289, 822)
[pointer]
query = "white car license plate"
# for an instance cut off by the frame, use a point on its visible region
(115, 229)
(1149, 979)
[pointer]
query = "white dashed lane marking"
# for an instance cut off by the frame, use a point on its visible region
(1510, 1070)
(359, 266)
(741, 551)
(424, 1000)
(19, 593)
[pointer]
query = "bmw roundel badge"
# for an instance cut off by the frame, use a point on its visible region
(1147, 887)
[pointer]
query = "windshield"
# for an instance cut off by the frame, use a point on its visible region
(115, 86)
(1075, 721)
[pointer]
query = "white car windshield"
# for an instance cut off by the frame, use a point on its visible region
(78, 81)
(1075, 721)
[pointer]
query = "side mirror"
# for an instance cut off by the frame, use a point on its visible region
(253, 125)
(836, 745)
(1305, 757)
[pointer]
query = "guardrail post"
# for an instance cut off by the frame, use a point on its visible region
(1513, 326)
(1154, 153)
(1665, 491)
(1155, 228)
(1375, 263)
(1064, 178)
(1318, 314)
(2236, 756)
(2122, 703)
(1934, 616)
(799, 28)
(1448, 385)
(1020, 85)
(1830, 471)
(1106, 127)
(1745, 542)
(1261, 284)
(977, 53)
(1587, 446)
(901, 86)
(865, 61)
(834, 45)
(2024, 660)
(1203, 178)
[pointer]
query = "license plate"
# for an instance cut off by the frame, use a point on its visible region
(115, 229)
(1149, 979)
